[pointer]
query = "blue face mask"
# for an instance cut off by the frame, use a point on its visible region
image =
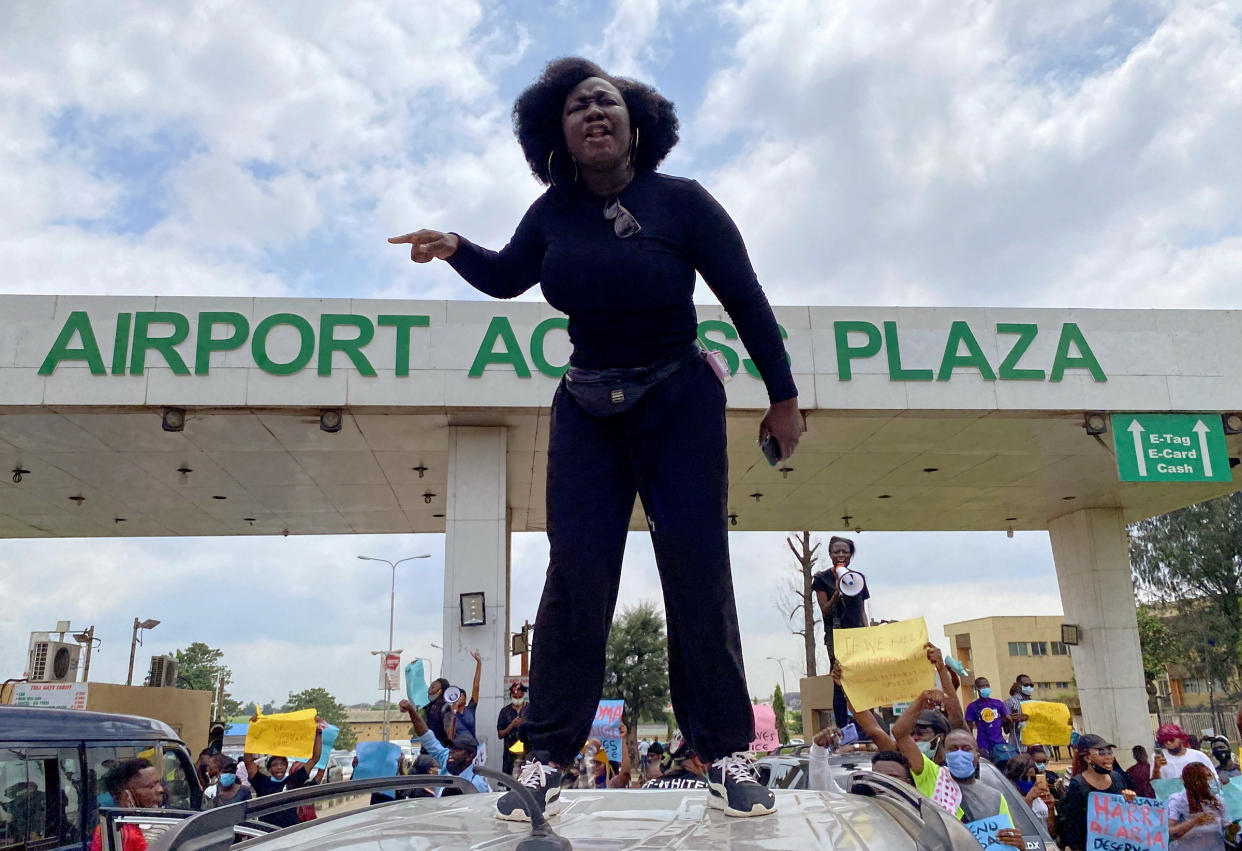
(1025, 786)
(986, 691)
(227, 779)
(961, 764)
(1027, 690)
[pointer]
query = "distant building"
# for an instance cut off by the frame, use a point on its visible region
(368, 724)
(1001, 648)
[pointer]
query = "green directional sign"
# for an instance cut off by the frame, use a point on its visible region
(1171, 448)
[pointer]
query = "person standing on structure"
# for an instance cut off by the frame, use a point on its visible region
(842, 594)
(615, 245)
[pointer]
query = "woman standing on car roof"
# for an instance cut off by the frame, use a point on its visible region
(616, 245)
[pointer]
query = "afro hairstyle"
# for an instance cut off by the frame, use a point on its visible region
(538, 110)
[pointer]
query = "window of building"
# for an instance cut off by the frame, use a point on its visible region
(1194, 686)
(1059, 649)
(1018, 648)
(1062, 685)
(1039, 648)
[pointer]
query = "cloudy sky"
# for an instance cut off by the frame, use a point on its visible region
(1079, 153)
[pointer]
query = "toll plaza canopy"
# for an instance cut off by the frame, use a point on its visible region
(919, 419)
(937, 418)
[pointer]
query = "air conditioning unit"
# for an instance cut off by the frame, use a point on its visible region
(52, 661)
(163, 672)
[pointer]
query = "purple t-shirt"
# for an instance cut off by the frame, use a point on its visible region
(989, 715)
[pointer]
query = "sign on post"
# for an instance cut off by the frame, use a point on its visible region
(58, 695)
(1171, 448)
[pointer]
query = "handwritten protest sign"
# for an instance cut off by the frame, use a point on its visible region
(416, 683)
(283, 734)
(1047, 723)
(607, 727)
(985, 829)
(883, 664)
(376, 759)
(1230, 793)
(765, 729)
(1114, 825)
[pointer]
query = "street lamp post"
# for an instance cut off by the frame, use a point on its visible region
(781, 662)
(149, 623)
(392, 604)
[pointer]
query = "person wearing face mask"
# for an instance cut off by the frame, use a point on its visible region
(840, 611)
(978, 800)
(1033, 786)
(988, 719)
(1176, 754)
(225, 787)
(1021, 690)
(1226, 766)
(456, 759)
(509, 723)
(920, 734)
(1094, 771)
(279, 778)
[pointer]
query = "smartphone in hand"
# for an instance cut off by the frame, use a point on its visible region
(771, 450)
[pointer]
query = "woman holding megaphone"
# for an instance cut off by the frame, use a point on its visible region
(842, 594)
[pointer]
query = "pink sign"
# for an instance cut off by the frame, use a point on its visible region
(765, 728)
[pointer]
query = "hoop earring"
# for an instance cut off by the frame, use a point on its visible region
(551, 178)
(634, 147)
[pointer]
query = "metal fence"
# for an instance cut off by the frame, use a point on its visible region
(1202, 723)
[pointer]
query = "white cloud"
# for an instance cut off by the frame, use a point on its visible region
(625, 48)
(946, 166)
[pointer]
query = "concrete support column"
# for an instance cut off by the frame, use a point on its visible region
(476, 558)
(1093, 569)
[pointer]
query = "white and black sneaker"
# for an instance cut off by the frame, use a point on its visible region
(733, 786)
(544, 783)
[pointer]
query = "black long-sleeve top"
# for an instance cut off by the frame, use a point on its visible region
(1072, 811)
(630, 301)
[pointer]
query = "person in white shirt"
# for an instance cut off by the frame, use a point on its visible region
(1176, 754)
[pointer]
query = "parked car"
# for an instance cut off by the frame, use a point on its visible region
(787, 768)
(52, 762)
(340, 766)
(880, 815)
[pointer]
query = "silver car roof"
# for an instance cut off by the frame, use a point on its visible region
(612, 819)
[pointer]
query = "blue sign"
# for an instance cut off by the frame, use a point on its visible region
(416, 684)
(376, 759)
(1114, 825)
(986, 829)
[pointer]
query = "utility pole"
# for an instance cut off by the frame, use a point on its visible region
(88, 638)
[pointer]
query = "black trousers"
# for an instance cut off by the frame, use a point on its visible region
(669, 449)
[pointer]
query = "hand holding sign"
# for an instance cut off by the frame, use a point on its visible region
(283, 734)
(883, 664)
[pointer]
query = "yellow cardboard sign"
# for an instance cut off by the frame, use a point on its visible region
(283, 734)
(885, 664)
(1047, 723)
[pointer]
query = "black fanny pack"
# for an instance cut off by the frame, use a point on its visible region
(607, 392)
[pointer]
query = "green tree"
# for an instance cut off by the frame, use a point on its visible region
(1159, 643)
(202, 668)
(1191, 561)
(329, 709)
(782, 720)
(636, 666)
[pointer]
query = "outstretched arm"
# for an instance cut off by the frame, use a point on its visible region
(903, 730)
(478, 675)
(865, 718)
(952, 706)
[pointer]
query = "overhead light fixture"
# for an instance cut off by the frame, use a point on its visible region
(330, 421)
(18, 472)
(174, 419)
(1070, 634)
(473, 609)
(1095, 423)
(1233, 423)
(149, 623)
(428, 496)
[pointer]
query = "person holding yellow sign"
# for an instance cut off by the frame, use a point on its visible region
(286, 730)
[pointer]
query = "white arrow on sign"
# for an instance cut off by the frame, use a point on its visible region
(1137, 430)
(1203, 447)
